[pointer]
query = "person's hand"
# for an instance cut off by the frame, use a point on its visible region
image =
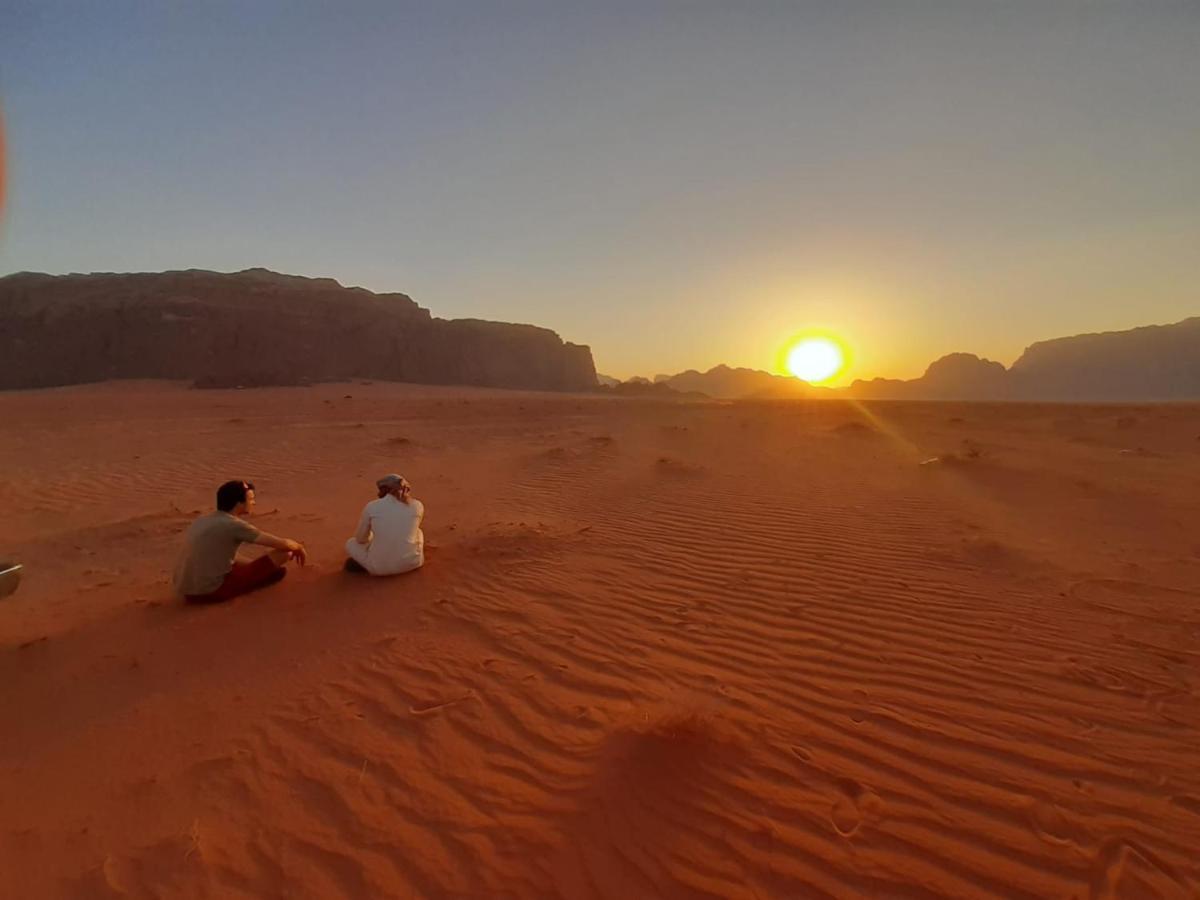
(297, 552)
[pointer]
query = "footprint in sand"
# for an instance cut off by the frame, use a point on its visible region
(425, 709)
(801, 753)
(1050, 823)
(854, 803)
(858, 713)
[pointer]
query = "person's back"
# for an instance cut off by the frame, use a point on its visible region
(397, 529)
(210, 545)
(389, 539)
(209, 571)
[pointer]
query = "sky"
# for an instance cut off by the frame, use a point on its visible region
(675, 184)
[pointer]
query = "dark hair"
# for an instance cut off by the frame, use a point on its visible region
(231, 493)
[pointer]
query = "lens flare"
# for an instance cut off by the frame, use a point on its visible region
(815, 359)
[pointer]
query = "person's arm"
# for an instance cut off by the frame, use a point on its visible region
(363, 534)
(294, 548)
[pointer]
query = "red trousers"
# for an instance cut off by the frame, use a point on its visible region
(242, 579)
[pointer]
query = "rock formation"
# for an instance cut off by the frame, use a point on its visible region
(728, 383)
(259, 328)
(958, 376)
(1157, 362)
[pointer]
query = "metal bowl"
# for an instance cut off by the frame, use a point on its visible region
(10, 577)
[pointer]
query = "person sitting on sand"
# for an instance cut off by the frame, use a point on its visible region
(208, 571)
(389, 539)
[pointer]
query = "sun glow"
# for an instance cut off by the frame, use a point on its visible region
(815, 359)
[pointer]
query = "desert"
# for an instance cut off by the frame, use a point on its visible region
(656, 450)
(660, 648)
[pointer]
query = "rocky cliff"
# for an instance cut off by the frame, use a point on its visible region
(1157, 362)
(257, 328)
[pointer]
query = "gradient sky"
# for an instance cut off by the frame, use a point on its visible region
(676, 184)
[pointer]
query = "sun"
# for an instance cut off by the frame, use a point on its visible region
(815, 359)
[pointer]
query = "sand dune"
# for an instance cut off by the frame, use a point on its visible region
(658, 650)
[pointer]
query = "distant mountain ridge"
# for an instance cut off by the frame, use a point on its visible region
(259, 327)
(1150, 363)
(727, 383)
(956, 376)
(1154, 362)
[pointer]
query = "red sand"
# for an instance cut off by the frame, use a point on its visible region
(714, 650)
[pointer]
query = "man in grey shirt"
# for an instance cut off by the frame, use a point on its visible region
(209, 571)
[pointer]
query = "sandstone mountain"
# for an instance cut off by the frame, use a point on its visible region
(259, 327)
(1156, 362)
(726, 383)
(958, 376)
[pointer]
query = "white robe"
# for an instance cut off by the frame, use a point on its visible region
(389, 539)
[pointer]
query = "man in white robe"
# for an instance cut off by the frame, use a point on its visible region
(389, 539)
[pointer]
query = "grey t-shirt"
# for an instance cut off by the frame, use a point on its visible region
(210, 545)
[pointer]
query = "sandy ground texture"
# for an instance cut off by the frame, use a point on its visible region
(658, 650)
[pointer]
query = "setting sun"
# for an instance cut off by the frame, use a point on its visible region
(815, 359)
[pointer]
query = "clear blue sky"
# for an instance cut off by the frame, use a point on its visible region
(676, 184)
